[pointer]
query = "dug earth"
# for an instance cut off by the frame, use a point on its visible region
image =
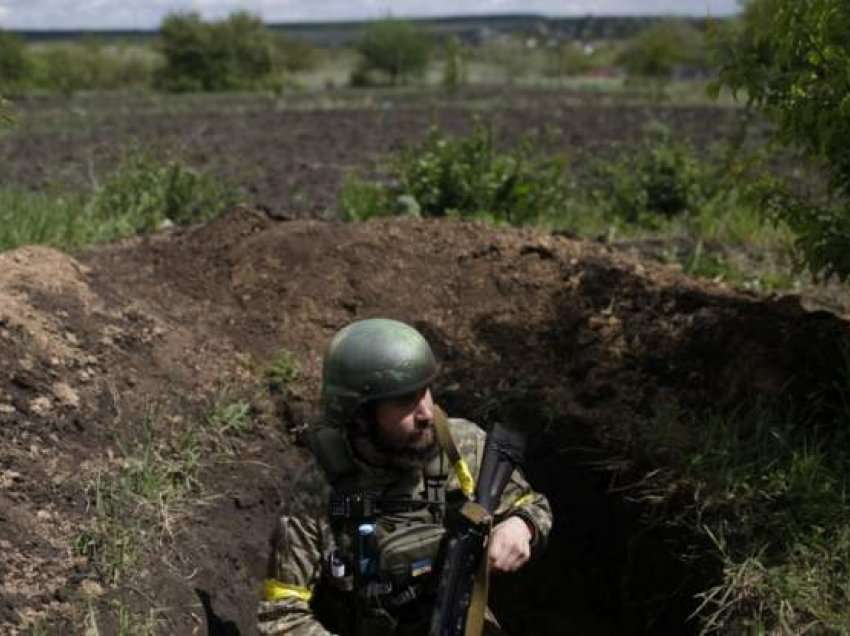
(147, 418)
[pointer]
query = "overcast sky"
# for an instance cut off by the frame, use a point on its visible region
(144, 14)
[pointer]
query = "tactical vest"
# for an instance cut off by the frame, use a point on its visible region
(381, 577)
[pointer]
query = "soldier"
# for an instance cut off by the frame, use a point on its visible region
(354, 550)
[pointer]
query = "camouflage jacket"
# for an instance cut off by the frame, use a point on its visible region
(304, 538)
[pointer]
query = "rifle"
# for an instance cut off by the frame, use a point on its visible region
(462, 590)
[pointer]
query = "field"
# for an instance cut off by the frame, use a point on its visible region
(152, 386)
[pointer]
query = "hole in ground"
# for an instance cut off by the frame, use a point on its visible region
(606, 570)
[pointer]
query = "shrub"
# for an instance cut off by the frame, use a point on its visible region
(296, 56)
(396, 48)
(15, 66)
(89, 65)
(660, 178)
(199, 56)
(656, 52)
(454, 65)
(790, 60)
(568, 59)
(467, 177)
(141, 196)
(361, 200)
(145, 193)
(5, 112)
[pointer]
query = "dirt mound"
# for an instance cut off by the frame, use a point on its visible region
(587, 344)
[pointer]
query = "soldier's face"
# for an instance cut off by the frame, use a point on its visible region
(406, 424)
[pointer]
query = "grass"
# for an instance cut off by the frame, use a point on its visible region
(126, 621)
(283, 370)
(142, 195)
(661, 192)
(135, 505)
(769, 495)
(155, 481)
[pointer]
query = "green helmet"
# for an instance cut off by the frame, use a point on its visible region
(371, 360)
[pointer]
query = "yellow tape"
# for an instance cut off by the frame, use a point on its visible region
(525, 499)
(276, 591)
(464, 476)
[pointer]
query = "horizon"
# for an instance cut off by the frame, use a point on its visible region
(119, 15)
(365, 20)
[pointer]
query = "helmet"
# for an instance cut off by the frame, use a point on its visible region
(371, 360)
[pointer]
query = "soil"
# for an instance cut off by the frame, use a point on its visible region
(584, 345)
(291, 155)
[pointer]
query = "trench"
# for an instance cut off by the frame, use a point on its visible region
(606, 570)
(611, 566)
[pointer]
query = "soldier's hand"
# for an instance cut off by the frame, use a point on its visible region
(510, 545)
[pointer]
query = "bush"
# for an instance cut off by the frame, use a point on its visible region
(296, 56)
(5, 112)
(659, 50)
(454, 65)
(226, 55)
(396, 48)
(91, 65)
(141, 196)
(465, 177)
(15, 65)
(568, 59)
(145, 193)
(660, 178)
(790, 59)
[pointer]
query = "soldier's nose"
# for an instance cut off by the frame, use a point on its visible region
(423, 414)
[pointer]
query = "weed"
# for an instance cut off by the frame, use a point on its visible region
(283, 370)
(126, 621)
(360, 200)
(229, 418)
(135, 504)
(467, 177)
(142, 195)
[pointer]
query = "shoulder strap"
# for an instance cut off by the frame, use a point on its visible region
(447, 442)
(333, 453)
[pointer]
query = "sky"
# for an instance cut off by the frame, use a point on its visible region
(146, 14)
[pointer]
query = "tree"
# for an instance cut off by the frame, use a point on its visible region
(397, 48)
(657, 51)
(15, 66)
(568, 59)
(211, 56)
(791, 60)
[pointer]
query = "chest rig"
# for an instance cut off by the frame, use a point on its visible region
(388, 534)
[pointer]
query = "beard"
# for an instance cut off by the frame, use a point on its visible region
(415, 451)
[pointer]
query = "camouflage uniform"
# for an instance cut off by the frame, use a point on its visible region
(304, 539)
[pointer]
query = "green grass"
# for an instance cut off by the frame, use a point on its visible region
(769, 495)
(659, 191)
(133, 505)
(152, 484)
(126, 622)
(142, 195)
(283, 370)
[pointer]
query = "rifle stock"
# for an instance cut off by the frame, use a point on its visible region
(459, 608)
